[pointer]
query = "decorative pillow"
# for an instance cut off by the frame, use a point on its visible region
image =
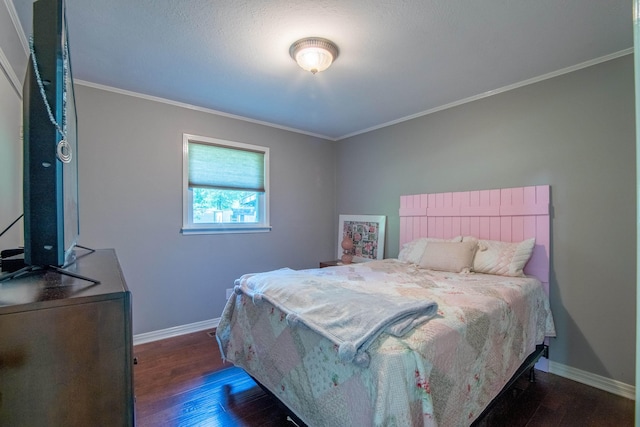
(412, 251)
(503, 258)
(447, 256)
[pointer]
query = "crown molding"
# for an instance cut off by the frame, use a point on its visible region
(196, 108)
(489, 93)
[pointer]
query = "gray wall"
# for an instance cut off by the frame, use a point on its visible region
(10, 163)
(11, 73)
(130, 160)
(575, 132)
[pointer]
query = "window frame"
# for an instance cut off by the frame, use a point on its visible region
(188, 226)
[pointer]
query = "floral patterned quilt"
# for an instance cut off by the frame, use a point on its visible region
(350, 313)
(442, 373)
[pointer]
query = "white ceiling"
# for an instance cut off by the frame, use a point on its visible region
(398, 58)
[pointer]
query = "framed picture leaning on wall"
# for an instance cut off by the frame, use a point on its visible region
(367, 234)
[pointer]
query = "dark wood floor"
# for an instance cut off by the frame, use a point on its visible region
(182, 381)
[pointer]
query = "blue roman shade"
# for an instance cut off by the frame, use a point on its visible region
(224, 168)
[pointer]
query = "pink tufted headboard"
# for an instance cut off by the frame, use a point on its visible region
(508, 214)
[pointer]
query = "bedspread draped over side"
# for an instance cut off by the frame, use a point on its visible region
(344, 309)
(442, 373)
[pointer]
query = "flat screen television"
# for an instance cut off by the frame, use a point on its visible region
(50, 187)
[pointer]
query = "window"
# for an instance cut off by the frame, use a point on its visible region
(225, 186)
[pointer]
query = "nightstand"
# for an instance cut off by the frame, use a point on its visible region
(333, 263)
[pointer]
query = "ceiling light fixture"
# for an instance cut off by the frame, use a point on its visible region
(313, 53)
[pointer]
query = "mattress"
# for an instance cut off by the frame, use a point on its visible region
(444, 372)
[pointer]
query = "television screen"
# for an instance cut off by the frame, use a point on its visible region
(51, 221)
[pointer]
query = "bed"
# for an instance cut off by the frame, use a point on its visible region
(453, 341)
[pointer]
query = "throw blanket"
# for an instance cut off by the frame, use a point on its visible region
(348, 313)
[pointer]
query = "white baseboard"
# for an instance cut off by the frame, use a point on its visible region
(584, 377)
(593, 380)
(175, 331)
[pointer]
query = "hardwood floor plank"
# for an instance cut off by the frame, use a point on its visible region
(182, 381)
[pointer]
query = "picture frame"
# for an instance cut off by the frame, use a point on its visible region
(367, 233)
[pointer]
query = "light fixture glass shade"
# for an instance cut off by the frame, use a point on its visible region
(314, 54)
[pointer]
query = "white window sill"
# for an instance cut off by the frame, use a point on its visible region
(225, 229)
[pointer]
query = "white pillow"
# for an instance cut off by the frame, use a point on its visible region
(412, 251)
(447, 256)
(503, 258)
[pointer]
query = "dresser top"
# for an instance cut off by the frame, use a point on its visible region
(43, 289)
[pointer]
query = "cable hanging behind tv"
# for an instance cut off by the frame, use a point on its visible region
(13, 264)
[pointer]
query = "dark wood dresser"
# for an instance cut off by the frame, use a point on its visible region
(66, 347)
